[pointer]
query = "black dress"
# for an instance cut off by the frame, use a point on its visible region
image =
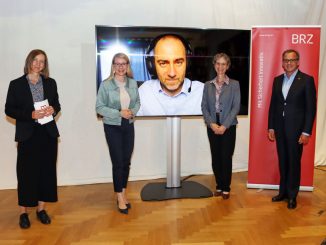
(37, 144)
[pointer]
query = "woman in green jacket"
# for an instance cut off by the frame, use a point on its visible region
(118, 102)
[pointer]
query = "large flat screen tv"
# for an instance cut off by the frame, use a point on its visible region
(190, 69)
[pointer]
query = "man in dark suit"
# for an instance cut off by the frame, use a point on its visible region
(291, 116)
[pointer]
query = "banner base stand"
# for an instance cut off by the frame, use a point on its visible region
(276, 187)
(159, 191)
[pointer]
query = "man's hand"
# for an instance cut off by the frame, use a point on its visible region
(271, 134)
(304, 139)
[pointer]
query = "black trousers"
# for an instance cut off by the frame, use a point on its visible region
(120, 140)
(289, 153)
(222, 148)
(36, 168)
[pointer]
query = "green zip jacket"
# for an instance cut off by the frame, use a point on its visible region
(108, 101)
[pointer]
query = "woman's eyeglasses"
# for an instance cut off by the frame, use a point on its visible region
(120, 64)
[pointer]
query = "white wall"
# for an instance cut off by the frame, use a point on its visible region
(66, 31)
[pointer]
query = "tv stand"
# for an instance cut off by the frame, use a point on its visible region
(174, 188)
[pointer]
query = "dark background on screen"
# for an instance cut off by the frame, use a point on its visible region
(205, 43)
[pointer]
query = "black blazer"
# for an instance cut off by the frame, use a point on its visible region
(299, 107)
(20, 105)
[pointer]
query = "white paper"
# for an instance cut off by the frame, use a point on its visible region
(39, 106)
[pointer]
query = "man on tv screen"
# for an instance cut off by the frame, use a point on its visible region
(169, 92)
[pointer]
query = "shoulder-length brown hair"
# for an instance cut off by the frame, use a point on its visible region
(29, 60)
(125, 57)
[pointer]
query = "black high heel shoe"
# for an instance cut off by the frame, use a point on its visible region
(122, 210)
(128, 205)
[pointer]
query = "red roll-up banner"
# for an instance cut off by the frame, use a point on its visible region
(268, 44)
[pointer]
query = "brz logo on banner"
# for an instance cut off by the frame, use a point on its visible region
(302, 38)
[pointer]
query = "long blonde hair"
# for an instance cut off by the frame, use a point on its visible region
(125, 57)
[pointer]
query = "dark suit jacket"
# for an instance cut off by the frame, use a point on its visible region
(299, 107)
(19, 105)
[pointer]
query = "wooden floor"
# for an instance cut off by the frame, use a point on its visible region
(87, 215)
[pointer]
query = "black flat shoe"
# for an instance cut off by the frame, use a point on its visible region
(43, 217)
(128, 205)
(278, 198)
(24, 221)
(292, 204)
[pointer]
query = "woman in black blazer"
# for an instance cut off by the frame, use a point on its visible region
(37, 136)
(220, 106)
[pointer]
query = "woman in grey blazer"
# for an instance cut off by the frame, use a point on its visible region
(220, 106)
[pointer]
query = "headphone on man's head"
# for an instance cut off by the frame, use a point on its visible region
(150, 59)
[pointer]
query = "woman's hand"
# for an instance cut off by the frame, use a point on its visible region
(214, 127)
(45, 112)
(217, 129)
(49, 111)
(38, 114)
(126, 113)
(221, 129)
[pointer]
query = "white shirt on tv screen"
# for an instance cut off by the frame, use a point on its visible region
(155, 102)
